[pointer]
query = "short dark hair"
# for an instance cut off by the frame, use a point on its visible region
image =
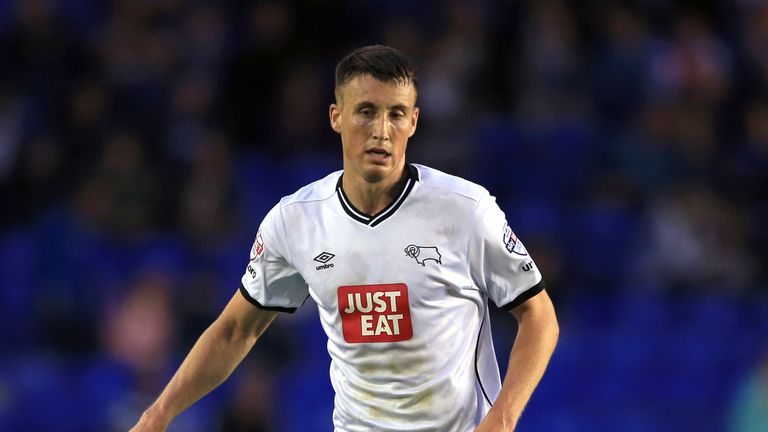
(386, 64)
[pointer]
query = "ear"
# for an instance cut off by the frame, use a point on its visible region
(414, 121)
(334, 114)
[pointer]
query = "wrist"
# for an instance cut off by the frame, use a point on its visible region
(496, 420)
(156, 417)
(506, 413)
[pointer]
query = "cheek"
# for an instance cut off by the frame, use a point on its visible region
(403, 132)
(401, 144)
(359, 124)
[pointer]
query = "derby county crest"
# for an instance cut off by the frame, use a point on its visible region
(422, 254)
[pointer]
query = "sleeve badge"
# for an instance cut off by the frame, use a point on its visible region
(258, 246)
(511, 242)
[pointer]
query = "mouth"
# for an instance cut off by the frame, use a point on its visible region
(378, 151)
(378, 154)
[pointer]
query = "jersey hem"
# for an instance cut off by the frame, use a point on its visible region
(256, 303)
(527, 294)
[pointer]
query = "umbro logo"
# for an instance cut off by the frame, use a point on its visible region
(323, 258)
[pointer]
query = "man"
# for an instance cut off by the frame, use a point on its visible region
(402, 261)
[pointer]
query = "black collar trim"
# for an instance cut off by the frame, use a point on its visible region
(346, 204)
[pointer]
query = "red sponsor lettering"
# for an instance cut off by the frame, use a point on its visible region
(375, 313)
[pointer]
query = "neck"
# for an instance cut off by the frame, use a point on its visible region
(372, 197)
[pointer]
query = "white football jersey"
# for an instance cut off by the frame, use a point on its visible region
(402, 295)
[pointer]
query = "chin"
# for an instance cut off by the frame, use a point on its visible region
(376, 173)
(373, 177)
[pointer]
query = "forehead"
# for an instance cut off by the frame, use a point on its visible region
(365, 88)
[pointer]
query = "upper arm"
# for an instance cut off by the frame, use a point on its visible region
(538, 308)
(244, 319)
(270, 280)
(499, 263)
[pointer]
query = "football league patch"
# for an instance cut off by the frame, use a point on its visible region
(512, 243)
(258, 246)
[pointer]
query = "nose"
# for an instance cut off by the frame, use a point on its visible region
(381, 128)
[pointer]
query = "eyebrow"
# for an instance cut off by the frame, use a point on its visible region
(367, 104)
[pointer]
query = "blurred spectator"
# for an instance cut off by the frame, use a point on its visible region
(745, 176)
(621, 64)
(10, 128)
(252, 76)
(749, 412)
(300, 95)
(139, 332)
(754, 38)
(37, 181)
(253, 406)
(191, 109)
(698, 242)
(746, 164)
(204, 40)
(37, 49)
(207, 211)
(139, 329)
(451, 74)
(551, 76)
(694, 63)
(694, 141)
(86, 123)
(645, 154)
(128, 186)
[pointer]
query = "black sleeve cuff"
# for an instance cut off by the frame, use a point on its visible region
(522, 298)
(254, 302)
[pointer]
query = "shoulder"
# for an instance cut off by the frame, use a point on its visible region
(439, 182)
(292, 206)
(319, 190)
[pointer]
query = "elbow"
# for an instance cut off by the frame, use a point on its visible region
(553, 329)
(552, 326)
(229, 330)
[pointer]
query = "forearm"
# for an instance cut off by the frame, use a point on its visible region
(212, 359)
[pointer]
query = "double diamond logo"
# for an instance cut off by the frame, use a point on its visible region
(323, 259)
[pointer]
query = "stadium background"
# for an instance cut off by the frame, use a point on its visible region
(141, 143)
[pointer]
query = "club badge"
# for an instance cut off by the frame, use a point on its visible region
(422, 254)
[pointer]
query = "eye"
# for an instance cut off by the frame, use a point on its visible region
(367, 112)
(396, 115)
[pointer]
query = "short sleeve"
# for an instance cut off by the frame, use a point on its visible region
(270, 281)
(499, 263)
